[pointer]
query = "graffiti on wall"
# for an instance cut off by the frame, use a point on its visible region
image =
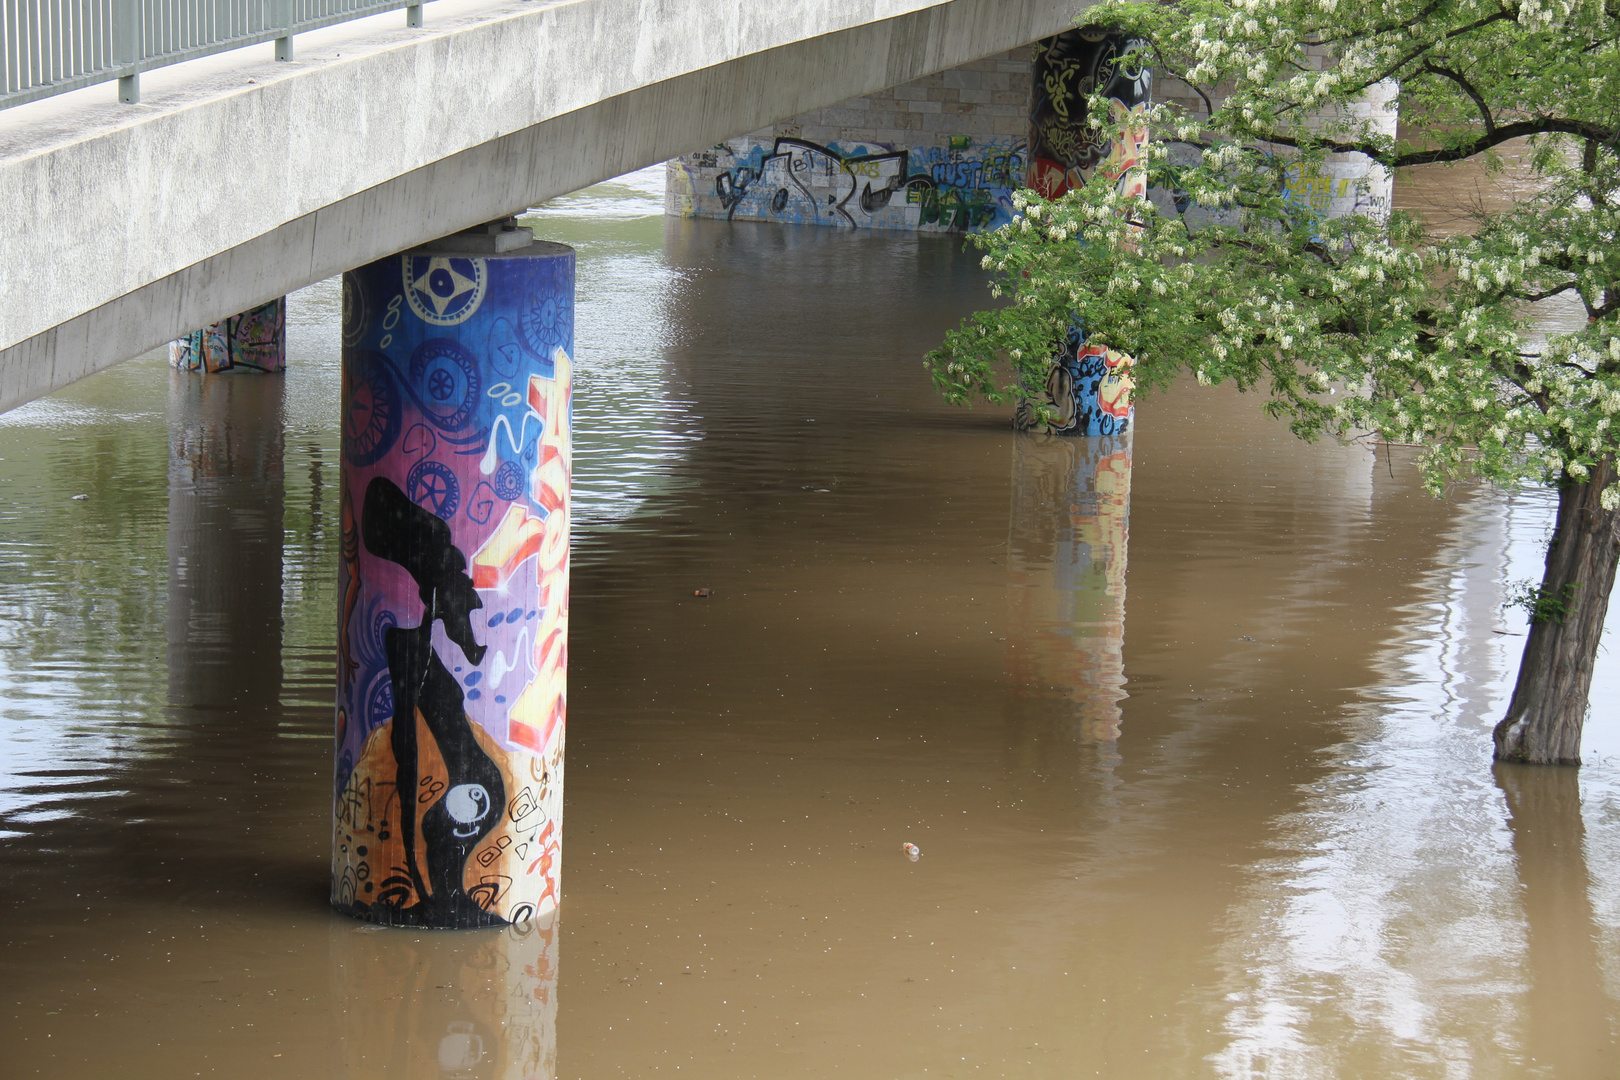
(1065, 151)
(255, 340)
(1342, 189)
(965, 185)
(453, 588)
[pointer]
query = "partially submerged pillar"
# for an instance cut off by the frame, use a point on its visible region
(255, 340)
(453, 588)
(1088, 387)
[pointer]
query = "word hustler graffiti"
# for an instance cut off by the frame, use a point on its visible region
(453, 642)
(1088, 386)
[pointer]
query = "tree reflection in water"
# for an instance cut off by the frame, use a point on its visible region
(1567, 1025)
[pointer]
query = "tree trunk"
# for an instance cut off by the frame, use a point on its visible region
(1543, 722)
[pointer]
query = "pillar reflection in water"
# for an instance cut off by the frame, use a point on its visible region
(477, 1005)
(1568, 1023)
(225, 541)
(1071, 502)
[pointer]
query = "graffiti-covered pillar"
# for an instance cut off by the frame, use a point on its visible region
(1351, 183)
(453, 589)
(255, 340)
(1087, 386)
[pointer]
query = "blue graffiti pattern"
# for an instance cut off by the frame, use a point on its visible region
(965, 186)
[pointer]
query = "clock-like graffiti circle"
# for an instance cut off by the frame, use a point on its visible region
(444, 290)
(379, 702)
(372, 419)
(547, 325)
(355, 310)
(432, 486)
(446, 377)
(509, 481)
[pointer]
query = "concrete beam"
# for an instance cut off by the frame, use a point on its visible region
(119, 241)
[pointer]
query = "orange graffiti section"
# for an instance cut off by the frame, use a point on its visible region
(514, 871)
(516, 864)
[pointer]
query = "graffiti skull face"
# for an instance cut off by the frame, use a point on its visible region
(467, 805)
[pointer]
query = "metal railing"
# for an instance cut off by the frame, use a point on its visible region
(52, 46)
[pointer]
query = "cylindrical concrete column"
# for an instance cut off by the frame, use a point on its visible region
(255, 340)
(1064, 150)
(1087, 386)
(453, 635)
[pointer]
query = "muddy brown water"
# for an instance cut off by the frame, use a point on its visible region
(1191, 732)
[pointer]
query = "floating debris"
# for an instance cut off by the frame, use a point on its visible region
(80, 498)
(913, 852)
(702, 592)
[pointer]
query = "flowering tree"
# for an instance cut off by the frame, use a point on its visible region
(1364, 323)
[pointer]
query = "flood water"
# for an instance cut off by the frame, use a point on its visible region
(1192, 732)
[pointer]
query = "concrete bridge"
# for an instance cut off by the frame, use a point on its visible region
(243, 178)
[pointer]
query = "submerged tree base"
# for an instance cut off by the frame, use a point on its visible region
(1544, 719)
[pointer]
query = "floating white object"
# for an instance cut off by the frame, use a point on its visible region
(913, 852)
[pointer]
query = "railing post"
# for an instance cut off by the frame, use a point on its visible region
(413, 15)
(281, 17)
(128, 46)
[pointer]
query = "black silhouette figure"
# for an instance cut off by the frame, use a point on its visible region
(471, 804)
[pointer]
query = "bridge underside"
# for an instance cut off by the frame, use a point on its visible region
(499, 176)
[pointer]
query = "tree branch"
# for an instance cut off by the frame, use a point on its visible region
(1209, 106)
(1467, 88)
(1504, 133)
(1503, 15)
(1532, 298)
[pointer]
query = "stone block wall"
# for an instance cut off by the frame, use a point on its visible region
(945, 152)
